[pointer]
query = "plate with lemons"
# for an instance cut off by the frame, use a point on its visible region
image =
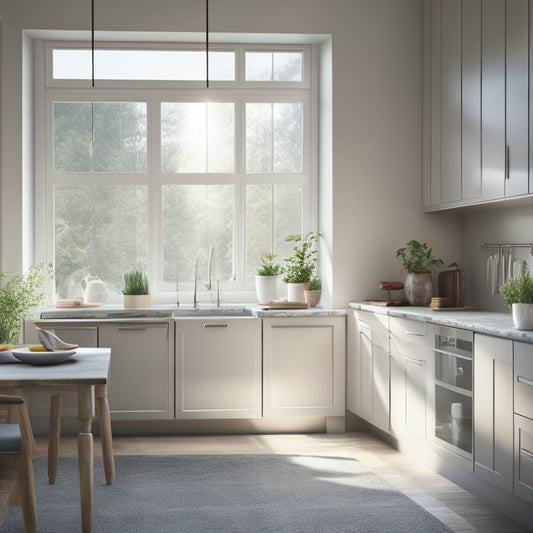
(38, 355)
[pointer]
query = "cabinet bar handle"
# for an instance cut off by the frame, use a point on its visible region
(416, 362)
(525, 381)
(414, 334)
(215, 325)
(527, 453)
(131, 328)
(507, 162)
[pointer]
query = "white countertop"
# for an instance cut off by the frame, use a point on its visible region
(488, 322)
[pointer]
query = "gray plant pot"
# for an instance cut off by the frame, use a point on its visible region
(418, 288)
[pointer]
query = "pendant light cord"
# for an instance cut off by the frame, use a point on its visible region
(206, 43)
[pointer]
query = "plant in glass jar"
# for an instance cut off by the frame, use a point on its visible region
(19, 296)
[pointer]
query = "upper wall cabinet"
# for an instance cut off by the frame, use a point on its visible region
(476, 101)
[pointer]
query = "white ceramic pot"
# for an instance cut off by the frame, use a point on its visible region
(523, 316)
(266, 288)
(295, 291)
(137, 301)
(312, 298)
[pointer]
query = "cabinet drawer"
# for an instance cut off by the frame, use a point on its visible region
(523, 379)
(523, 478)
(408, 337)
(375, 327)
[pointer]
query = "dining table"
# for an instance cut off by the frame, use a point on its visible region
(87, 372)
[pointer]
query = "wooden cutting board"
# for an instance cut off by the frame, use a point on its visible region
(281, 304)
(388, 303)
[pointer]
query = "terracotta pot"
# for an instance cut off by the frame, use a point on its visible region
(418, 288)
(523, 316)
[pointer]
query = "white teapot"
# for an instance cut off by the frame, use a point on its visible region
(94, 290)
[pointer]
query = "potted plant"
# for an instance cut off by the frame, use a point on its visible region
(19, 295)
(418, 259)
(517, 294)
(136, 292)
(312, 295)
(301, 265)
(266, 278)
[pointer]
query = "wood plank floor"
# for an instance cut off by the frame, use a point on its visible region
(457, 508)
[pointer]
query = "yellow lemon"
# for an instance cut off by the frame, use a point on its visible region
(37, 348)
(4, 347)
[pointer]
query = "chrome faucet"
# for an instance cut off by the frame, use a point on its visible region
(194, 300)
(207, 285)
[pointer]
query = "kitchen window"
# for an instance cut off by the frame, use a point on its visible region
(149, 168)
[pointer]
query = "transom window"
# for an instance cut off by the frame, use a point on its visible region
(150, 169)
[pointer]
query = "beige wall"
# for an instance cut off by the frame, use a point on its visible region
(373, 202)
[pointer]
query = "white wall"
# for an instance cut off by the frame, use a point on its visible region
(376, 117)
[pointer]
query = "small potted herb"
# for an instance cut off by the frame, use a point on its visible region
(312, 295)
(418, 259)
(136, 291)
(301, 265)
(517, 294)
(266, 278)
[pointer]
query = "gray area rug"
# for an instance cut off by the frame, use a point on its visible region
(227, 493)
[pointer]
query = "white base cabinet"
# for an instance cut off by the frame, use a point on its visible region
(141, 378)
(304, 366)
(218, 368)
(493, 410)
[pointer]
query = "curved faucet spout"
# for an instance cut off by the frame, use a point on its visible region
(208, 284)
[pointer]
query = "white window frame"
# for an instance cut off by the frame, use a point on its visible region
(153, 93)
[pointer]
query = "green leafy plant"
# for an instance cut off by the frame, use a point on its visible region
(19, 295)
(135, 283)
(416, 256)
(518, 289)
(301, 265)
(315, 285)
(269, 266)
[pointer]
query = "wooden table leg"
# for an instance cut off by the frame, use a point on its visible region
(85, 457)
(104, 420)
(53, 441)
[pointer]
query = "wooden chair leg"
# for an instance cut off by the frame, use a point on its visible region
(55, 433)
(27, 493)
(106, 438)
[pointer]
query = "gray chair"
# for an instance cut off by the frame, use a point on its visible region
(16, 470)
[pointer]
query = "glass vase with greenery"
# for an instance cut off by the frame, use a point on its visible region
(301, 265)
(135, 283)
(19, 296)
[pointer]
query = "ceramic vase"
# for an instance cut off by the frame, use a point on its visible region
(295, 291)
(266, 288)
(136, 301)
(523, 316)
(418, 288)
(312, 298)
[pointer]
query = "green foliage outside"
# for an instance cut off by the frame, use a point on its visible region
(19, 295)
(416, 256)
(518, 289)
(269, 266)
(135, 283)
(301, 265)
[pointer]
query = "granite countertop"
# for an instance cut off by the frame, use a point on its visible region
(488, 322)
(173, 312)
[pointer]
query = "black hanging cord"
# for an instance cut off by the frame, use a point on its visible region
(206, 43)
(92, 43)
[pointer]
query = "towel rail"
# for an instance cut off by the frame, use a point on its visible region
(500, 246)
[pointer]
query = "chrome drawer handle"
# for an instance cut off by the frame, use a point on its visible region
(416, 362)
(414, 334)
(525, 381)
(131, 328)
(215, 325)
(527, 453)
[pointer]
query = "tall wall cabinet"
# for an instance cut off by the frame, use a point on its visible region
(476, 101)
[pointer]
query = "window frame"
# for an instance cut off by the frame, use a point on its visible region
(154, 93)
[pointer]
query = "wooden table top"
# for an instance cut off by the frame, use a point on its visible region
(88, 366)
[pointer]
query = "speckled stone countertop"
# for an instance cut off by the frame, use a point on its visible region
(488, 322)
(172, 312)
